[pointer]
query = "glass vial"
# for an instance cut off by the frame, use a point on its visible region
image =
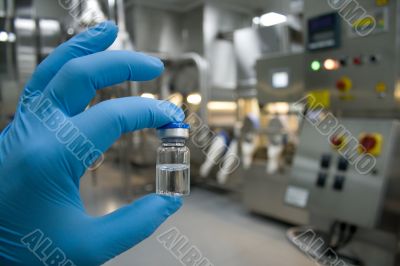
(173, 160)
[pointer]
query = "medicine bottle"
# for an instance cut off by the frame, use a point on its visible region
(173, 160)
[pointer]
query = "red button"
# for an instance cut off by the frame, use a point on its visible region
(368, 142)
(341, 85)
(344, 84)
(336, 141)
(357, 61)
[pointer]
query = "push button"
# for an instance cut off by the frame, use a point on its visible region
(343, 62)
(326, 160)
(338, 183)
(371, 143)
(337, 142)
(357, 60)
(373, 59)
(344, 84)
(343, 164)
(380, 87)
(368, 142)
(321, 179)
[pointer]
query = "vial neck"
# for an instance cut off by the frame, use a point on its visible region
(173, 142)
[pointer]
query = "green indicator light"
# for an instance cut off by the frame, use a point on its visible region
(315, 65)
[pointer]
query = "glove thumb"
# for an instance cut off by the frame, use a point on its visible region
(129, 225)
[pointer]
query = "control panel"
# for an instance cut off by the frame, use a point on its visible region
(329, 170)
(359, 70)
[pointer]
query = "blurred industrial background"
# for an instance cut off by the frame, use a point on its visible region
(305, 93)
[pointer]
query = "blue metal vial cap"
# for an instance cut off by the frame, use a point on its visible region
(174, 130)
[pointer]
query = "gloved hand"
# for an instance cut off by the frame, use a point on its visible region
(52, 140)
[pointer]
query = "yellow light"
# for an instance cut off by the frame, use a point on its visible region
(278, 108)
(194, 98)
(222, 106)
(148, 95)
(380, 87)
(176, 98)
(331, 64)
(111, 206)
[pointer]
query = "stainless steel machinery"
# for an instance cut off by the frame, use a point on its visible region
(251, 44)
(344, 171)
(27, 38)
(279, 85)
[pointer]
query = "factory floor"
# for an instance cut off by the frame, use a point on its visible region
(216, 223)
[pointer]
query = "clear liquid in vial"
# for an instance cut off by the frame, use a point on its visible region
(173, 179)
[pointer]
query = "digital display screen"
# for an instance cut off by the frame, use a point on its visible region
(321, 23)
(280, 79)
(323, 32)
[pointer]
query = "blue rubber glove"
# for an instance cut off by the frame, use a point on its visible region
(52, 141)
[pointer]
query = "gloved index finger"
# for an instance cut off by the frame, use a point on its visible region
(76, 83)
(104, 123)
(101, 125)
(96, 39)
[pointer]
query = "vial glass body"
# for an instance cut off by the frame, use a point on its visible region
(173, 168)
